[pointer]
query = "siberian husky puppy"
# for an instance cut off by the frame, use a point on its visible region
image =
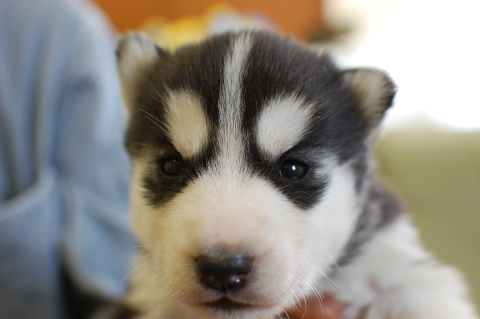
(254, 188)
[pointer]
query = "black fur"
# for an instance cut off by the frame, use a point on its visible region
(278, 66)
(187, 69)
(275, 66)
(381, 208)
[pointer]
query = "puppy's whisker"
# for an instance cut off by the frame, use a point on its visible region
(329, 280)
(166, 292)
(135, 269)
(318, 119)
(314, 257)
(135, 247)
(304, 301)
(285, 311)
(155, 281)
(155, 120)
(315, 291)
(333, 259)
(142, 275)
(296, 298)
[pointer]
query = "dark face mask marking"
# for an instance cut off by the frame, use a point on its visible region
(273, 67)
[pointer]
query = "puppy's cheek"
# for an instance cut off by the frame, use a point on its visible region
(173, 249)
(142, 215)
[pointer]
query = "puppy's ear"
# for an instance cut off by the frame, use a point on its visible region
(373, 92)
(135, 55)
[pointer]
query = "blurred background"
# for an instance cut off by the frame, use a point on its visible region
(429, 146)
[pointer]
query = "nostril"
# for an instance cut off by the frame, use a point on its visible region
(224, 273)
(207, 278)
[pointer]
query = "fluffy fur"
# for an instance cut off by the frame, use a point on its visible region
(249, 144)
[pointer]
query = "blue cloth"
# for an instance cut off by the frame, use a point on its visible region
(63, 170)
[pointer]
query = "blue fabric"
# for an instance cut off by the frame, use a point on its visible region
(63, 170)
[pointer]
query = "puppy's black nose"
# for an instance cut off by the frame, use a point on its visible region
(224, 274)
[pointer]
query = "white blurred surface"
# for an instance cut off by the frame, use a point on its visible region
(430, 48)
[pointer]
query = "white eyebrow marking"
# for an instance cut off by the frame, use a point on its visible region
(281, 124)
(186, 122)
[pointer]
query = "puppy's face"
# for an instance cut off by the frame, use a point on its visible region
(249, 159)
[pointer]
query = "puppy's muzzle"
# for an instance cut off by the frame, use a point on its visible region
(226, 273)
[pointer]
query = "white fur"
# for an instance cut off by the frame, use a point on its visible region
(186, 123)
(142, 215)
(340, 206)
(323, 244)
(395, 278)
(282, 124)
(230, 103)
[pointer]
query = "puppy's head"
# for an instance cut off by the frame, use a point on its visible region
(250, 157)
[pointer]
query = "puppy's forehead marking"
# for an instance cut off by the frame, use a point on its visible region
(186, 123)
(281, 124)
(230, 102)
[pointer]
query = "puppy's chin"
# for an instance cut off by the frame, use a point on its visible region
(232, 309)
(247, 304)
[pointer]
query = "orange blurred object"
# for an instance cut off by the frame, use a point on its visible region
(299, 17)
(329, 308)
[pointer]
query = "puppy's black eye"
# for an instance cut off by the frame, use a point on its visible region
(293, 169)
(172, 166)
